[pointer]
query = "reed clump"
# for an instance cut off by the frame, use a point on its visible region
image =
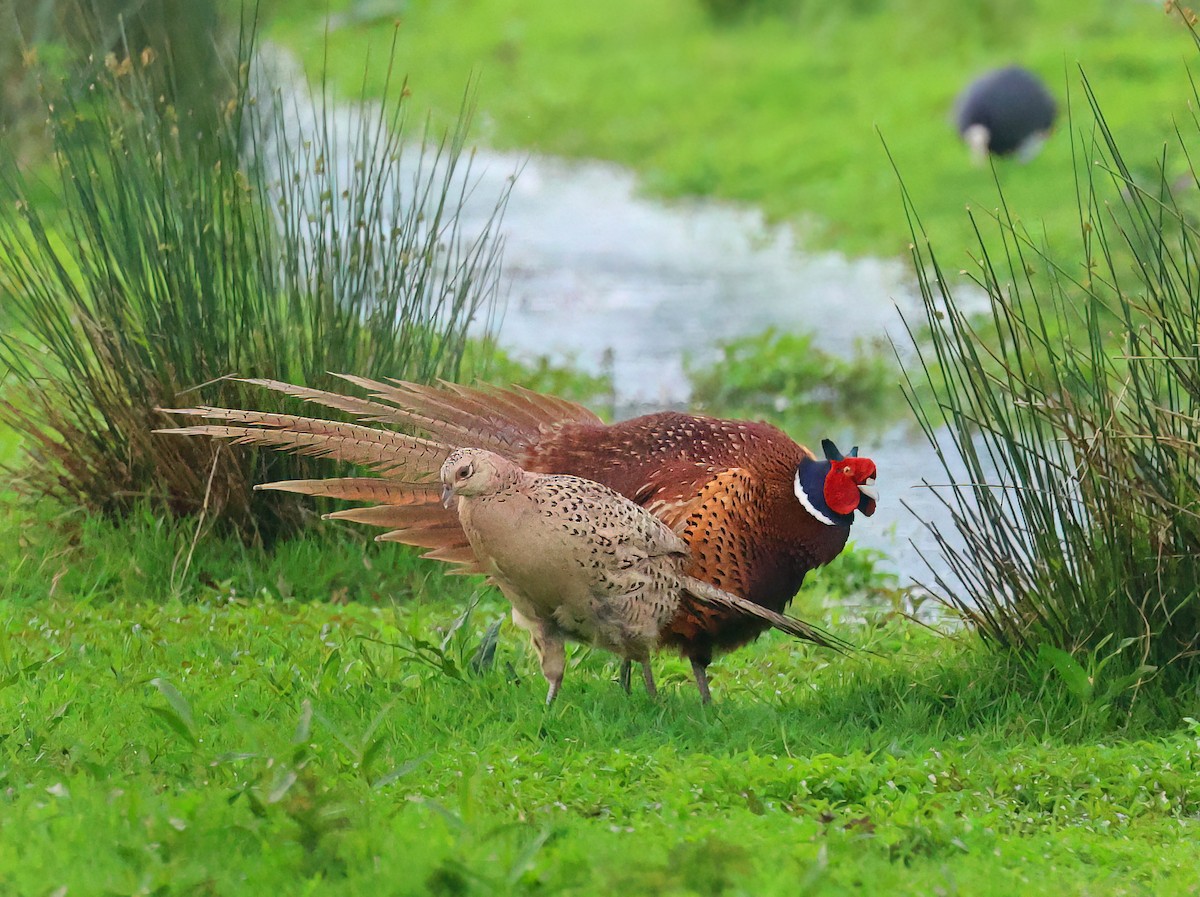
(164, 247)
(1067, 418)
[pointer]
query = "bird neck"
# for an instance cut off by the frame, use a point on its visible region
(810, 492)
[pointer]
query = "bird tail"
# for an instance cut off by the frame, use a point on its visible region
(447, 415)
(504, 421)
(409, 459)
(710, 594)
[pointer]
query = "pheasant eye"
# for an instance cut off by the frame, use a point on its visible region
(464, 472)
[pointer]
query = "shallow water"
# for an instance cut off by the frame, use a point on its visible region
(600, 274)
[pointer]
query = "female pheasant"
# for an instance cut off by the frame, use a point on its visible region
(757, 510)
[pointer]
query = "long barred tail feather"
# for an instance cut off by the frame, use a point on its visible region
(502, 420)
(363, 408)
(505, 420)
(412, 516)
(387, 491)
(710, 594)
(385, 451)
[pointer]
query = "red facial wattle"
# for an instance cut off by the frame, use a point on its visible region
(850, 486)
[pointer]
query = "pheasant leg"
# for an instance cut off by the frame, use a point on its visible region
(700, 671)
(551, 651)
(626, 674)
(648, 677)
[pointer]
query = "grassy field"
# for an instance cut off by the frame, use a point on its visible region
(184, 714)
(783, 111)
(308, 720)
(236, 744)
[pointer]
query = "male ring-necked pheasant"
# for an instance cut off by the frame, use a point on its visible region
(757, 510)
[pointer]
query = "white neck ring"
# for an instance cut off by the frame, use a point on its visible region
(808, 505)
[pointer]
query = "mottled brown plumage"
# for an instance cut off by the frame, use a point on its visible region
(726, 487)
(756, 509)
(578, 561)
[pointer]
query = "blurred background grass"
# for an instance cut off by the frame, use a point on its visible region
(781, 105)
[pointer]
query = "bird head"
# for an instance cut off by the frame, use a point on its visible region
(833, 489)
(473, 472)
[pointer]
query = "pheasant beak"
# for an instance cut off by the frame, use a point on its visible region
(868, 489)
(448, 495)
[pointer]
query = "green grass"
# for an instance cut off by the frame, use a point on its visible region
(779, 111)
(181, 714)
(304, 721)
(238, 747)
(785, 379)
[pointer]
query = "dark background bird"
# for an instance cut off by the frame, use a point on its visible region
(1006, 112)
(757, 510)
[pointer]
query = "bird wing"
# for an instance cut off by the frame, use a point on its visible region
(716, 525)
(605, 569)
(674, 491)
(616, 519)
(709, 507)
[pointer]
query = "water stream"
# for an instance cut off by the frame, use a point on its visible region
(602, 277)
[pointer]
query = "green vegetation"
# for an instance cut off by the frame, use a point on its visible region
(1077, 416)
(183, 711)
(786, 379)
(229, 735)
(780, 110)
(165, 263)
(315, 717)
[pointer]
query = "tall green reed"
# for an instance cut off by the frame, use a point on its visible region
(278, 236)
(1067, 419)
